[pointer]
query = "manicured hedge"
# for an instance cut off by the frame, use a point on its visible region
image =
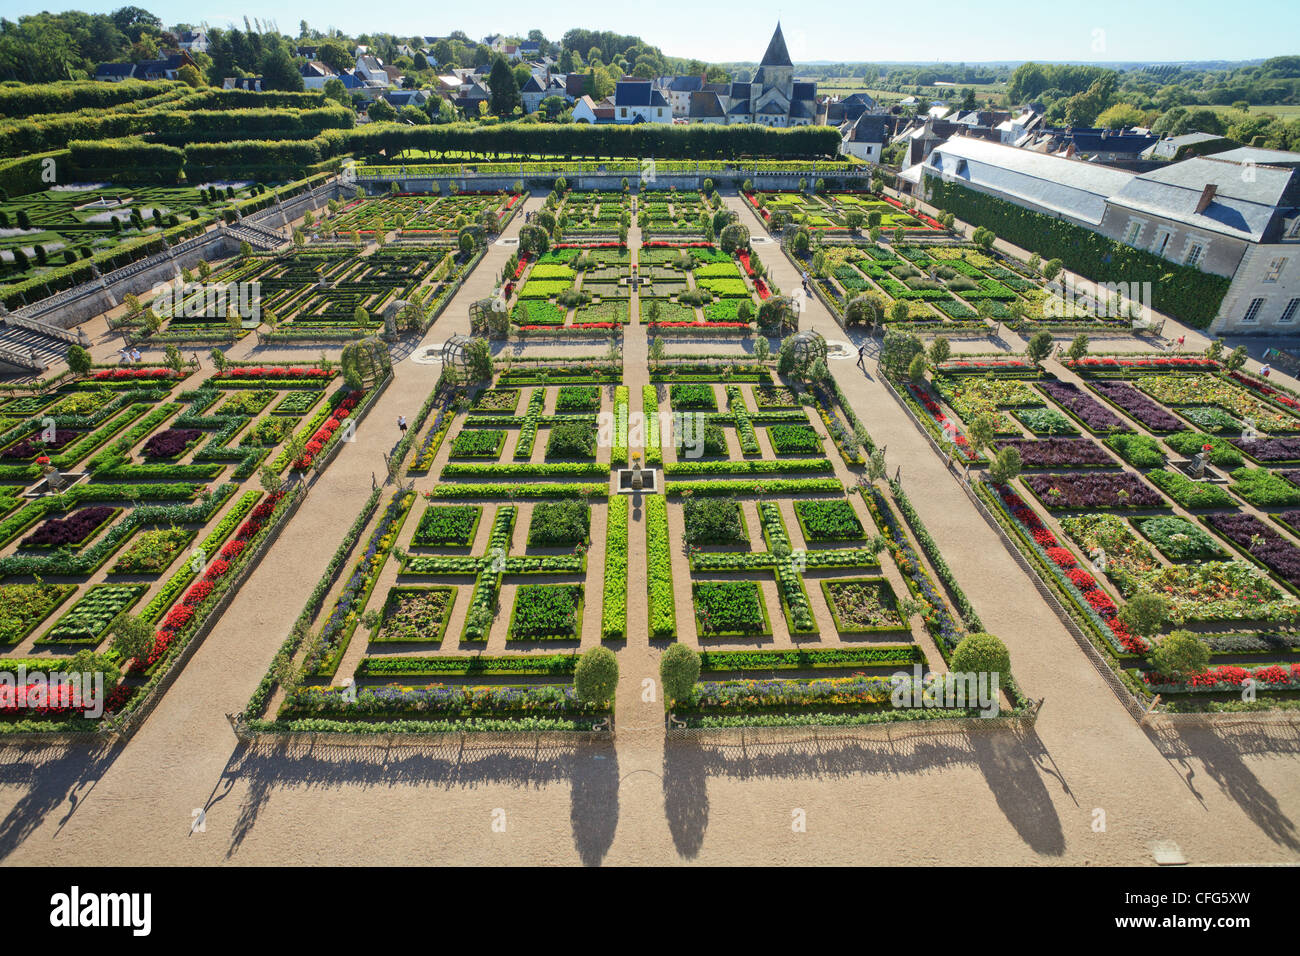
(1185, 293)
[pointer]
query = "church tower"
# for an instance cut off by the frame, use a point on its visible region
(773, 83)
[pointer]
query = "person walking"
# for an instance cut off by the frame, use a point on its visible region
(401, 424)
(1181, 340)
(135, 356)
(1264, 370)
(862, 354)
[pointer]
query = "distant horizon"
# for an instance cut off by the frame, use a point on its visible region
(817, 32)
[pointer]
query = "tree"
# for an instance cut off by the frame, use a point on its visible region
(1120, 116)
(1052, 268)
(334, 55)
(984, 238)
(1005, 465)
(939, 351)
(188, 74)
(733, 237)
(762, 348)
(1214, 352)
(595, 678)
(1079, 347)
(382, 111)
(916, 368)
(981, 432)
(657, 347)
(1145, 613)
(679, 669)
(981, 653)
(1180, 654)
(1040, 345)
(1237, 360)
(505, 88)
(79, 360)
(133, 636)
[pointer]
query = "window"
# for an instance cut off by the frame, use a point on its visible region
(1275, 270)
(1194, 254)
(1132, 233)
(1252, 310)
(1161, 242)
(1288, 314)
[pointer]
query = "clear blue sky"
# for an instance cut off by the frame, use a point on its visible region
(946, 30)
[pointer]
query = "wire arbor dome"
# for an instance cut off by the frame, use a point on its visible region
(455, 352)
(808, 347)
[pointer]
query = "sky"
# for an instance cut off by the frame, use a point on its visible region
(939, 31)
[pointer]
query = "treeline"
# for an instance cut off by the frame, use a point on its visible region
(696, 141)
(125, 160)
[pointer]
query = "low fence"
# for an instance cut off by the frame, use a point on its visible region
(890, 730)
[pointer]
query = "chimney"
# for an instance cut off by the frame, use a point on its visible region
(1207, 197)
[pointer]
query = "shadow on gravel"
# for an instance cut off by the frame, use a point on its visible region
(49, 777)
(590, 768)
(1012, 765)
(1220, 752)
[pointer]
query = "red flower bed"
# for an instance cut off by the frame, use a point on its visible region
(1064, 559)
(183, 612)
(1255, 385)
(931, 406)
(592, 245)
(519, 270)
(119, 374)
(321, 439)
(274, 371)
(1160, 361)
(699, 325)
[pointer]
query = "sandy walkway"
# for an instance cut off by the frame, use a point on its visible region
(1223, 796)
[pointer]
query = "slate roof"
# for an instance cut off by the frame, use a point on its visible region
(739, 107)
(1242, 206)
(314, 68)
(533, 85)
(1113, 143)
(804, 91)
(706, 105)
(1269, 157)
(637, 93)
(105, 70)
(739, 91)
(869, 128)
(777, 54)
(1068, 186)
(686, 84)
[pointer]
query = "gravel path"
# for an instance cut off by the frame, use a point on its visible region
(1087, 786)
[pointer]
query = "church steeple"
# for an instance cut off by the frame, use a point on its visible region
(777, 54)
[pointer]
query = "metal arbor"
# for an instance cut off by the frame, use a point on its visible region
(455, 351)
(808, 346)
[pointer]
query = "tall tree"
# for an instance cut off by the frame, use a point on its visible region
(504, 87)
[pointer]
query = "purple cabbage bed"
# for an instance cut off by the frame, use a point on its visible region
(1150, 413)
(75, 528)
(1292, 476)
(1117, 489)
(32, 447)
(170, 443)
(1058, 452)
(1087, 409)
(1276, 553)
(1270, 449)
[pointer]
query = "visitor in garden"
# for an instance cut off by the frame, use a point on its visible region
(862, 354)
(401, 424)
(1181, 340)
(135, 355)
(1264, 370)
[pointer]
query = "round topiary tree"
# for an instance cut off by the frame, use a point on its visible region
(866, 309)
(679, 669)
(981, 653)
(1179, 654)
(79, 360)
(596, 676)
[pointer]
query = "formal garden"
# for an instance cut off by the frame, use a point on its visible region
(1157, 497)
(135, 500)
(486, 588)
